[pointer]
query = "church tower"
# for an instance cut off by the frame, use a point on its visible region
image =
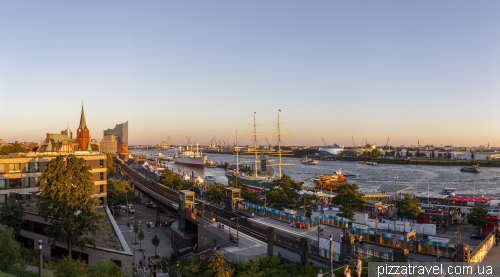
(83, 134)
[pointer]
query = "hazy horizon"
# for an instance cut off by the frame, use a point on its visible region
(413, 71)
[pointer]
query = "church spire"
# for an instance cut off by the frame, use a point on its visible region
(83, 124)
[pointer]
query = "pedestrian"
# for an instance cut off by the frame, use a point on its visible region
(438, 255)
(359, 267)
(320, 274)
(347, 271)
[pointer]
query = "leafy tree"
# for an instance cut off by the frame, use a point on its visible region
(68, 202)
(70, 267)
(12, 148)
(136, 229)
(375, 153)
(440, 155)
(194, 267)
(247, 194)
(215, 192)
(140, 236)
(407, 153)
(433, 153)
(472, 156)
(349, 195)
(119, 192)
(449, 156)
(167, 178)
(9, 249)
(477, 217)
(105, 268)
(12, 214)
(398, 154)
(408, 206)
(110, 165)
(155, 241)
(346, 211)
(217, 266)
(418, 152)
(283, 193)
(306, 200)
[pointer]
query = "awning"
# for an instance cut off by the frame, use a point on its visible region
(433, 196)
(25, 193)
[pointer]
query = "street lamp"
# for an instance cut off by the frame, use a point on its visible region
(134, 256)
(395, 196)
(40, 264)
(177, 268)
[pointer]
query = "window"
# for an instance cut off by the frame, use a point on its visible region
(27, 182)
(2, 198)
(2, 168)
(27, 167)
(2, 183)
(101, 187)
(36, 182)
(15, 183)
(14, 167)
(37, 169)
(102, 175)
(101, 162)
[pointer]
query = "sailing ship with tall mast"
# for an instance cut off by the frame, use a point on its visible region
(267, 174)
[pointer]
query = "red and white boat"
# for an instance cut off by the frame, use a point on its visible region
(189, 157)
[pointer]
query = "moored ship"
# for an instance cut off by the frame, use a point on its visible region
(329, 182)
(308, 161)
(190, 158)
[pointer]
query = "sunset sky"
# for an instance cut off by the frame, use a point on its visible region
(408, 70)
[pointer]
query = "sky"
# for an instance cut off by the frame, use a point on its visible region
(412, 71)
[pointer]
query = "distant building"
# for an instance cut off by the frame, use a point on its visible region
(3, 142)
(64, 143)
(121, 134)
(109, 144)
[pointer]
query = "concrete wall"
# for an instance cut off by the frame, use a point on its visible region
(206, 236)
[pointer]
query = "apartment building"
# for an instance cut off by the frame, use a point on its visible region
(19, 173)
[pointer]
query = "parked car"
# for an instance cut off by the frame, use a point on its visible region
(151, 205)
(478, 236)
(130, 208)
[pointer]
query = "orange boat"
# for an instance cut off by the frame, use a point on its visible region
(329, 182)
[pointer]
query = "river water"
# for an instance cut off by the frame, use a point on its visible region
(369, 178)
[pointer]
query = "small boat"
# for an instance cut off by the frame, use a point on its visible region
(348, 174)
(329, 182)
(372, 163)
(308, 161)
(210, 179)
(362, 162)
(473, 169)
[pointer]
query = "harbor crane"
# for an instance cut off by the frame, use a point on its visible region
(324, 142)
(353, 144)
(188, 140)
(166, 142)
(387, 144)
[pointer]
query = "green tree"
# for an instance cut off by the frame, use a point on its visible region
(217, 266)
(346, 211)
(398, 154)
(136, 229)
(9, 249)
(349, 195)
(433, 153)
(155, 241)
(215, 192)
(283, 193)
(105, 268)
(110, 165)
(440, 155)
(12, 214)
(418, 152)
(119, 192)
(375, 153)
(307, 201)
(472, 156)
(68, 202)
(12, 148)
(70, 267)
(477, 217)
(194, 267)
(167, 178)
(448, 156)
(407, 153)
(247, 194)
(140, 236)
(408, 206)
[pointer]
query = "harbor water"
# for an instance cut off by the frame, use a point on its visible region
(369, 178)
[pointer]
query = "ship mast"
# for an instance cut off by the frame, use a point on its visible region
(255, 143)
(255, 134)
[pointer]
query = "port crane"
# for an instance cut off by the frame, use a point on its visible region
(324, 142)
(353, 144)
(387, 144)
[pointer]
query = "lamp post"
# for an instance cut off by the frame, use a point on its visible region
(40, 264)
(177, 268)
(395, 197)
(134, 256)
